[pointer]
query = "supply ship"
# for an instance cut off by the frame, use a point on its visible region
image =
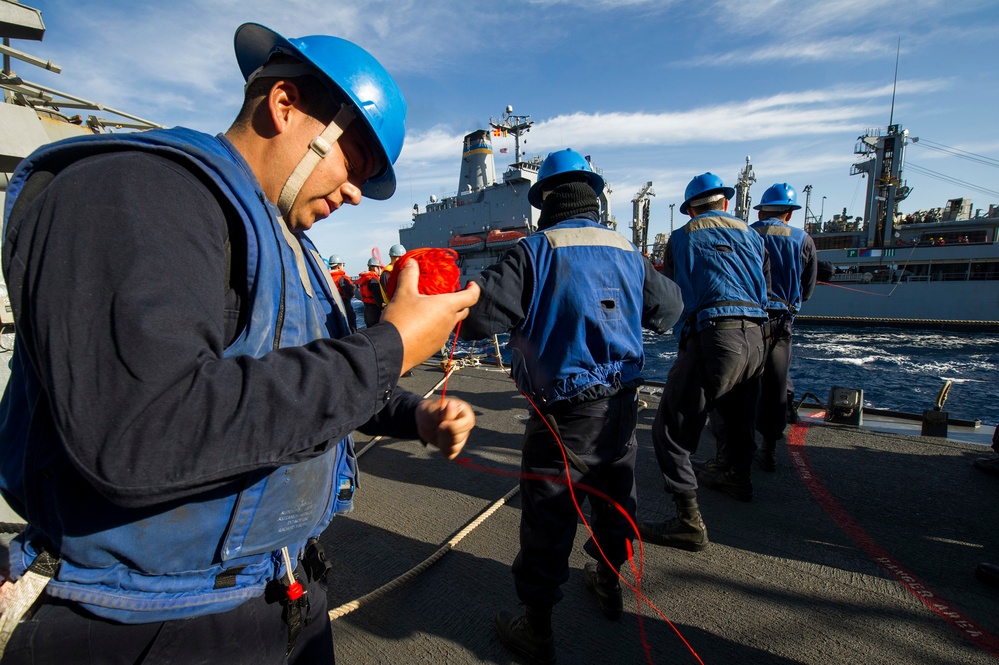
(486, 216)
(930, 269)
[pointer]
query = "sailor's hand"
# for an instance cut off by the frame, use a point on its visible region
(447, 426)
(424, 322)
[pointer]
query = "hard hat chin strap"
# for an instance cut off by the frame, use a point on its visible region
(318, 149)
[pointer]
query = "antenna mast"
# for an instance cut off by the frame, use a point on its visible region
(512, 124)
(894, 83)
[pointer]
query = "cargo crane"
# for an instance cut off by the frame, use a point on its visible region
(640, 217)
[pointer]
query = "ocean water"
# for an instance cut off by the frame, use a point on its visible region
(901, 370)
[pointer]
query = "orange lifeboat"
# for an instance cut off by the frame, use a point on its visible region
(497, 239)
(462, 244)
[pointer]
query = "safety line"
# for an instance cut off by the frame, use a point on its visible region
(923, 593)
(847, 288)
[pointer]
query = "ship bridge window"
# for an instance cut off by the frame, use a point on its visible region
(834, 242)
(984, 271)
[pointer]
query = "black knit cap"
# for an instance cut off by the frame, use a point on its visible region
(568, 201)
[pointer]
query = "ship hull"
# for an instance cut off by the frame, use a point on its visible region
(965, 305)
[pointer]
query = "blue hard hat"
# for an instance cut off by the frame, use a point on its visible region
(374, 263)
(702, 185)
(395, 251)
(375, 96)
(336, 260)
(780, 194)
(558, 164)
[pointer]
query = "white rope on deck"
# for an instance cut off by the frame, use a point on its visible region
(349, 607)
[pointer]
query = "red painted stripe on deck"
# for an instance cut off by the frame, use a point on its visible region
(934, 601)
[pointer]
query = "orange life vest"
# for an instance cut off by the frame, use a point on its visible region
(364, 281)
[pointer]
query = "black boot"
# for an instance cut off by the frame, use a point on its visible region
(989, 465)
(792, 410)
(766, 456)
(528, 635)
(988, 573)
(734, 482)
(715, 464)
(685, 531)
(604, 583)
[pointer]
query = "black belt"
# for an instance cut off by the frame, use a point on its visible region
(732, 324)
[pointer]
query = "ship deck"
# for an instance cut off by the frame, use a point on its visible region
(860, 548)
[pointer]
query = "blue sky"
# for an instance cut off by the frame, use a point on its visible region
(653, 90)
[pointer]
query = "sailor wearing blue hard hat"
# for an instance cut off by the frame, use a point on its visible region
(560, 167)
(793, 273)
(574, 297)
(721, 267)
(196, 441)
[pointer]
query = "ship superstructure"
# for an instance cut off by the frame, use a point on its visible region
(936, 268)
(33, 115)
(486, 216)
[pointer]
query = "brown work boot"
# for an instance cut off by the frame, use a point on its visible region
(686, 531)
(523, 634)
(604, 583)
(731, 481)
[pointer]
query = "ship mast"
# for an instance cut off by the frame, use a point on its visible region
(885, 187)
(742, 198)
(512, 124)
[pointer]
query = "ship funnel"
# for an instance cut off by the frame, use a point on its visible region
(477, 168)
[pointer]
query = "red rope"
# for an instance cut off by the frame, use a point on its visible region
(439, 271)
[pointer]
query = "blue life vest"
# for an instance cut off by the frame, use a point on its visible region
(718, 265)
(584, 326)
(784, 245)
(210, 553)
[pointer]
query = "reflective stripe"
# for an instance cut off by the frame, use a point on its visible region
(588, 237)
(713, 222)
(773, 230)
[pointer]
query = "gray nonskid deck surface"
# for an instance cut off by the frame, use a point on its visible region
(780, 583)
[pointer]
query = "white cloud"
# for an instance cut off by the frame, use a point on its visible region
(799, 52)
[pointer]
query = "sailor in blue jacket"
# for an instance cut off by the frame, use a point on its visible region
(793, 273)
(575, 296)
(176, 428)
(721, 267)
